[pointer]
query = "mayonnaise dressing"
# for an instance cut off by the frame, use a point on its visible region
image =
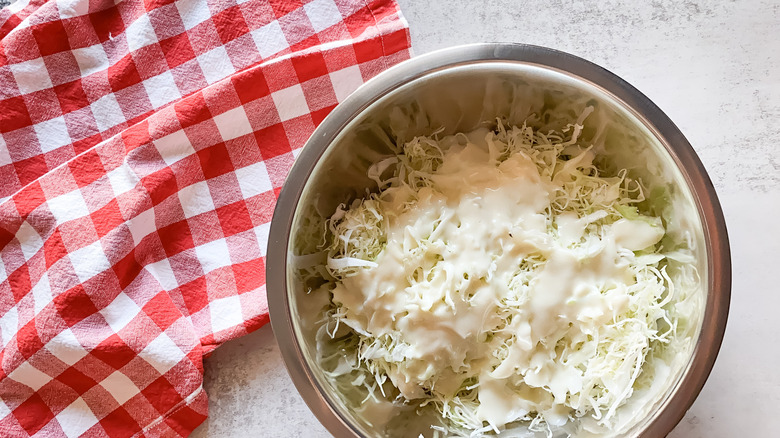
(479, 279)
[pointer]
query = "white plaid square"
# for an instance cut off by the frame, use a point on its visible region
(162, 89)
(16, 7)
(107, 112)
(3, 273)
(52, 134)
(41, 293)
(72, 8)
(254, 180)
(345, 81)
(69, 206)
(27, 374)
(142, 225)
(122, 179)
(213, 255)
(216, 64)
(225, 313)
(29, 239)
(120, 386)
(270, 39)
(4, 411)
(31, 76)
(9, 324)
(140, 33)
(196, 199)
(290, 102)
(91, 59)
(173, 147)
(233, 123)
(120, 312)
(261, 233)
(163, 273)
(89, 261)
(76, 418)
(192, 13)
(5, 157)
(296, 151)
(322, 14)
(66, 347)
(162, 353)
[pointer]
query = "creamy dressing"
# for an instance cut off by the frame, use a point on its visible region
(478, 279)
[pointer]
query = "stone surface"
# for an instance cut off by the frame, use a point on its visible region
(714, 68)
(251, 395)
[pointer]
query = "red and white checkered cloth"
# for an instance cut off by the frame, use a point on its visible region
(142, 147)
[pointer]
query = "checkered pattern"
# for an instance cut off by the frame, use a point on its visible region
(142, 148)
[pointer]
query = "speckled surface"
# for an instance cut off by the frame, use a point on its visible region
(251, 395)
(714, 68)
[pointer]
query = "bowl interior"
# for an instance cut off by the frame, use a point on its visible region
(457, 99)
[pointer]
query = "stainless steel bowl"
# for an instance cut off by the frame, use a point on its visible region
(457, 88)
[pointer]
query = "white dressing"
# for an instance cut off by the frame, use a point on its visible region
(636, 234)
(498, 281)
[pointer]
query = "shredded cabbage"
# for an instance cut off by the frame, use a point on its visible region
(499, 278)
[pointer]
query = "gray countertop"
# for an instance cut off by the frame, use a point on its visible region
(714, 68)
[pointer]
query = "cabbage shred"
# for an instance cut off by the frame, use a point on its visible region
(583, 366)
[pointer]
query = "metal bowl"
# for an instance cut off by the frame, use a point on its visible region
(456, 88)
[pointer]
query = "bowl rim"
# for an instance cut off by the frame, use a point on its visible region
(715, 316)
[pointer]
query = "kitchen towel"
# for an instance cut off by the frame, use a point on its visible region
(143, 144)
